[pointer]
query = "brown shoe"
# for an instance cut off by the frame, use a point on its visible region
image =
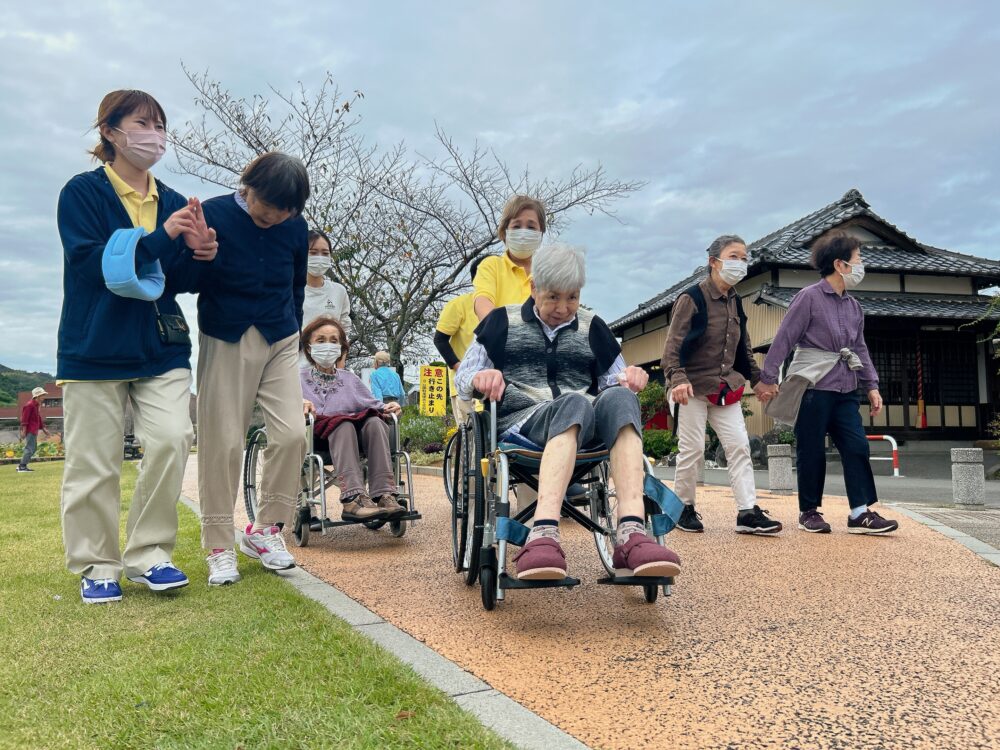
(390, 505)
(361, 508)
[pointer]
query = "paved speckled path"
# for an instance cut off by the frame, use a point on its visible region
(801, 641)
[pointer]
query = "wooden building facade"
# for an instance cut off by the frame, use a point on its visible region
(927, 324)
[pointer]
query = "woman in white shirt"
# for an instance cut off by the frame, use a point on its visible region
(323, 295)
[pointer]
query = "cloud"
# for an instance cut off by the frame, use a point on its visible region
(736, 118)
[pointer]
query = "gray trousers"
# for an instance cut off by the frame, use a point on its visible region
(599, 422)
(347, 442)
(30, 444)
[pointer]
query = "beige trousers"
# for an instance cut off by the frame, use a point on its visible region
(231, 377)
(91, 491)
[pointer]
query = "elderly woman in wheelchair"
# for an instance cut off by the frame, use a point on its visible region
(352, 422)
(558, 384)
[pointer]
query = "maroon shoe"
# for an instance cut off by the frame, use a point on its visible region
(812, 521)
(642, 556)
(870, 522)
(541, 559)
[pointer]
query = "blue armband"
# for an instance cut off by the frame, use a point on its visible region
(118, 267)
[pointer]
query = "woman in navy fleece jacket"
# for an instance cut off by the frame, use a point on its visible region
(110, 352)
(249, 317)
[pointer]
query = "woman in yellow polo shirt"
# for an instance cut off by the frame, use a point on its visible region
(506, 279)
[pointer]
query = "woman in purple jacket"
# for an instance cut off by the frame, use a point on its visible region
(825, 327)
(351, 419)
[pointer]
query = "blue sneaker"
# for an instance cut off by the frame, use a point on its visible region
(162, 577)
(100, 590)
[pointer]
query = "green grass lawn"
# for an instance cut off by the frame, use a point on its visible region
(254, 665)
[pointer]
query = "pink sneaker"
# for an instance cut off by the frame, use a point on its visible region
(642, 556)
(268, 546)
(541, 559)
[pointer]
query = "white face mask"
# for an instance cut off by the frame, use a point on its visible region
(143, 148)
(855, 277)
(733, 271)
(319, 264)
(522, 243)
(325, 355)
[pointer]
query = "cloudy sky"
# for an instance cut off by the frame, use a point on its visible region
(738, 120)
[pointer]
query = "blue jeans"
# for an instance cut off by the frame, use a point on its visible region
(836, 414)
(30, 444)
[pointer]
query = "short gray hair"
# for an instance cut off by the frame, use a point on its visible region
(559, 267)
(721, 243)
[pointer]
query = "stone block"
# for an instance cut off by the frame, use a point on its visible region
(966, 455)
(779, 469)
(968, 479)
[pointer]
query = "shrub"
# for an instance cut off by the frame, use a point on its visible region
(433, 448)
(780, 434)
(658, 443)
(419, 458)
(416, 431)
(652, 398)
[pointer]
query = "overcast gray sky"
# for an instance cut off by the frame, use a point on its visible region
(738, 120)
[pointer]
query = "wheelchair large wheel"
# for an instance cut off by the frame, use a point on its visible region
(603, 511)
(457, 489)
(253, 470)
(451, 464)
(475, 498)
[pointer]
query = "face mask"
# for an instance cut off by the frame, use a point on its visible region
(733, 271)
(855, 277)
(522, 243)
(325, 355)
(319, 264)
(143, 148)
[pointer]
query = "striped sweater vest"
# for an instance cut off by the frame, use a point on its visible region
(537, 370)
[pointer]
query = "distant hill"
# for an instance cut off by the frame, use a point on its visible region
(14, 381)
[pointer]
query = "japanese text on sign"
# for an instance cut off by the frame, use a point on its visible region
(433, 391)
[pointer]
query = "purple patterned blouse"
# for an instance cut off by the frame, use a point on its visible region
(340, 392)
(819, 318)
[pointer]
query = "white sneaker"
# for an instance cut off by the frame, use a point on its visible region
(268, 546)
(222, 568)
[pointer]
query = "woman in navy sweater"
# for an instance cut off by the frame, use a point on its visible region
(249, 316)
(123, 230)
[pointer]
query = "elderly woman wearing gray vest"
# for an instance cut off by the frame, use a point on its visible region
(560, 382)
(825, 327)
(707, 361)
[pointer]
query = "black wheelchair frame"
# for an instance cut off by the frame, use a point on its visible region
(479, 477)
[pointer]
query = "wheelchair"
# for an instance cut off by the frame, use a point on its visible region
(480, 475)
(316, 478)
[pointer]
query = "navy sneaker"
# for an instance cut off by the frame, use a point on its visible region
(162, 577)
(871, 522)
(100, 590)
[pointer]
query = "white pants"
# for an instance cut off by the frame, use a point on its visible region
(728, 423)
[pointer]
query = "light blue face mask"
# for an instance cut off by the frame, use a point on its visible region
(118, 267)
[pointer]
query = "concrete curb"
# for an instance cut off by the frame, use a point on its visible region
(989, 553)
(493, 709)
(428, 471)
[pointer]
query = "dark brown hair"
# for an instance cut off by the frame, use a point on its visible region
(515, 206)
(833, 246)
(114, 108)
(315, 325)
(278, 179)
(317, 234)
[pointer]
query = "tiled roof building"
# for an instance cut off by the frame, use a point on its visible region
(926, 319)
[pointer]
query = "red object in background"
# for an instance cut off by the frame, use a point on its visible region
(659, 421)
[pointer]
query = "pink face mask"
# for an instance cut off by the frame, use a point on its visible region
(143, 148)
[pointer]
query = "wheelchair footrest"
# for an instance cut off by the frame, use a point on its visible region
(509, 582)
(637, 580)
(331, 524)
